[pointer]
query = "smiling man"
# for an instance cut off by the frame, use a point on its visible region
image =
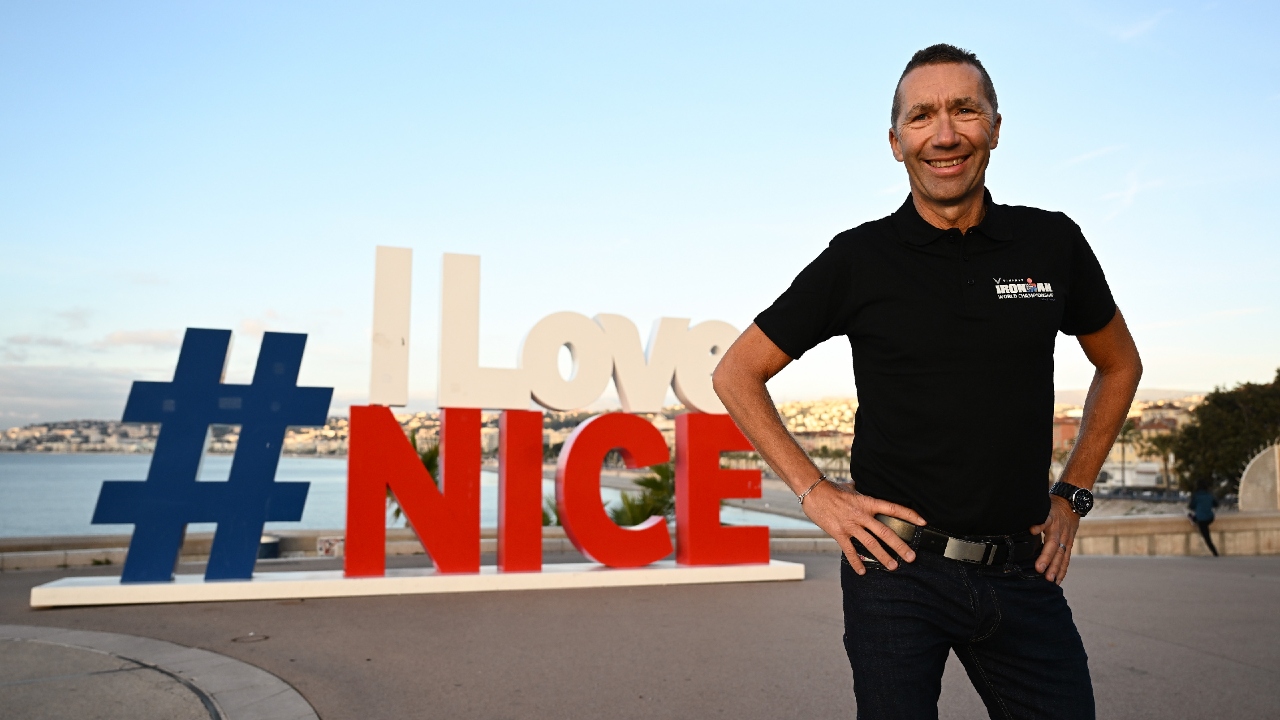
(953, 541)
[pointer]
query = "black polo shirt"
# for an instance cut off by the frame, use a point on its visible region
(952, 337)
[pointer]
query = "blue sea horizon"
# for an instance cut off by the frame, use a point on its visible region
(55, 494)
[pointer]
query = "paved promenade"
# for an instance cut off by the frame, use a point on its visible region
(1168, 638)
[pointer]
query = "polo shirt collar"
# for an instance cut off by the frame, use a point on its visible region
(917, 231)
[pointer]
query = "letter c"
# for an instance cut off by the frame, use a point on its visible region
(585, 521)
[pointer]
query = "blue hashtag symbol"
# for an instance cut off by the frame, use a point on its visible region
(161, 506)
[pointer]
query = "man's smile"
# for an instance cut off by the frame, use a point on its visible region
(947, 163)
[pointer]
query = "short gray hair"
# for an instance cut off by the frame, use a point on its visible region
(942, 54)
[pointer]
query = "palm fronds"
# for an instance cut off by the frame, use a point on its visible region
(656, 497)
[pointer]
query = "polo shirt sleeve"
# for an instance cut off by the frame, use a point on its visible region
(1089, 303)
(815, 307)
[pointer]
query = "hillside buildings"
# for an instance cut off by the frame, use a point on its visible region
(824, 428)
(1130, 463)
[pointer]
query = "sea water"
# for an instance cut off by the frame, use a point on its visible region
(55, 494)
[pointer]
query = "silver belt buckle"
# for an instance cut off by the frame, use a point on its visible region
(967, 551)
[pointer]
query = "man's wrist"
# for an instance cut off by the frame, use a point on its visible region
(1081, 483)
(812, 486)
(1078, 499)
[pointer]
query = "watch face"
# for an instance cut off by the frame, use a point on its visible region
(1083, 502)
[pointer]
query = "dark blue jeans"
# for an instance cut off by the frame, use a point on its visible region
(1009, 626)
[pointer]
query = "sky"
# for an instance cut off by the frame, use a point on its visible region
(234, 165)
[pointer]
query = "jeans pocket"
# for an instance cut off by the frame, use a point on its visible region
(868, 562)
(1027, 570)
(869, 559)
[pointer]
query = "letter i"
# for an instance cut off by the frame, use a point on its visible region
(520, 491)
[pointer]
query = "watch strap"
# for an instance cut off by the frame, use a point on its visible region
(1068, 492)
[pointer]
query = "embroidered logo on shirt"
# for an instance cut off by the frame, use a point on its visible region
(1010, 289)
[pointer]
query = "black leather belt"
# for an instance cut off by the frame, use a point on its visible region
(999, 551)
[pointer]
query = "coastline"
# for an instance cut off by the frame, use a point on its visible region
(141, 453)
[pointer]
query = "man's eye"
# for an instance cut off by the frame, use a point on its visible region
(920, 117)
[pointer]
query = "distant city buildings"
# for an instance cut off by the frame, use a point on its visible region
(827, 415)
(824, 428)
(330, 440)
(112, 436)
(1129, 462)
(108, 436)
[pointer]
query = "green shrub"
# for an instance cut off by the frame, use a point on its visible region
(656, 497)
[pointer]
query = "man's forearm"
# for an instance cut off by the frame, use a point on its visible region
(1105, 409)
(739, 380)
(842, 512)
(751, 407)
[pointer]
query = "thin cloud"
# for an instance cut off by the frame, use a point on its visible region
(1092, 154)
(1141, 27)
(37, 341)
(17, 348)
(255, 327)
(38, 394)
(1129, 194)
(155, 339)
(75, 318)
(252, 328)
(1200, 318)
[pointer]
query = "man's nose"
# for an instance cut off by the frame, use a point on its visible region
(945, 134)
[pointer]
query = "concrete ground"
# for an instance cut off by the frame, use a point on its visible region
(87, 684)
(1182, 637)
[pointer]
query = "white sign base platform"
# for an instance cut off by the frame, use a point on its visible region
(99, 590)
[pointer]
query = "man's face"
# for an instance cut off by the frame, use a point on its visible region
(945, 132)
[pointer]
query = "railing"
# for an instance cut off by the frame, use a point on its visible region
(836, 468)
(1229, 501)
(1132, 493)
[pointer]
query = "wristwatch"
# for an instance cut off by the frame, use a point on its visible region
(1081, 500)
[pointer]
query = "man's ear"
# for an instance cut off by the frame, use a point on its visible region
(995, 132)
(896, 147)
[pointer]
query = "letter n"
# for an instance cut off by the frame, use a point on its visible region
(446, 520)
